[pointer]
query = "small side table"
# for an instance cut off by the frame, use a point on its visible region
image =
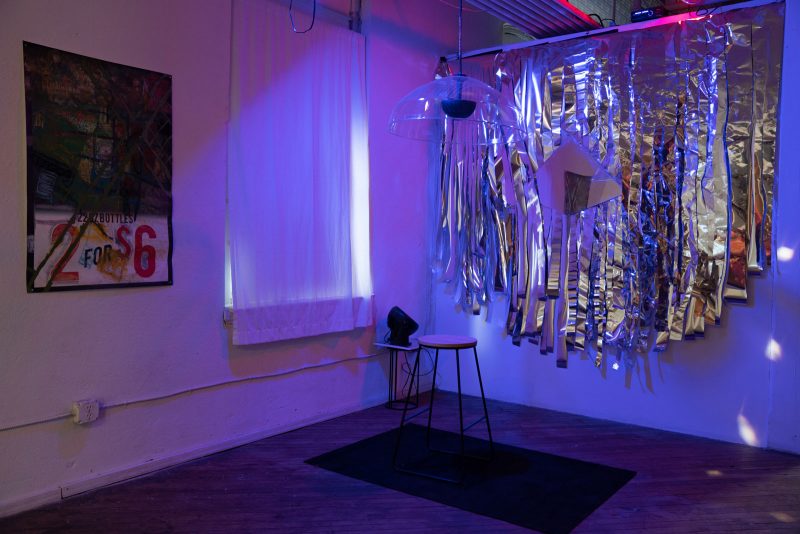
(394, 403)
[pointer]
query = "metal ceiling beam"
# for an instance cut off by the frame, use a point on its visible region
(527, 21)
(540, 18)
(564, 11)
(614, 29)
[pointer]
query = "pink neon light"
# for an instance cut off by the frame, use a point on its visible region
(673, 19)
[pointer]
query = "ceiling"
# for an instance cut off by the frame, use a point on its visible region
(539, 18)
(548, 18)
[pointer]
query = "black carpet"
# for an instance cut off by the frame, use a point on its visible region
(531, 489)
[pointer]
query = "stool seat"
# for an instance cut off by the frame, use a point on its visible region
(441, 341)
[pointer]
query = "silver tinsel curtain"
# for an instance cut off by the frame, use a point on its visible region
(684, 117)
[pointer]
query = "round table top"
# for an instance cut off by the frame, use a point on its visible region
(444, 341)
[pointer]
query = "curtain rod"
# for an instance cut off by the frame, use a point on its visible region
(350, 20)
(705, 12)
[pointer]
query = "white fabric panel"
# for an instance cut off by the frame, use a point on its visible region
(298, 194)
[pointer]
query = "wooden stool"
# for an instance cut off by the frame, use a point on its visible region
(445, 342)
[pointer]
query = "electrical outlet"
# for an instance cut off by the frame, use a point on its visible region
(85, 411)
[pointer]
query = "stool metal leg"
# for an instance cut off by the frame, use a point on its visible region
(419, 379)
(460, 409)
(405, 411)
(483, 398)
(430, 406)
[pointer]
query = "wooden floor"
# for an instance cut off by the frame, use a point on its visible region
(684, 484)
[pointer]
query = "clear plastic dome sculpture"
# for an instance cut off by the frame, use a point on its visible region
(457, 109)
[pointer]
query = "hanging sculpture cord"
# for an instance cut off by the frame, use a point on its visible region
(684, 117)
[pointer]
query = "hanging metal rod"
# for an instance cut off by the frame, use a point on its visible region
(351, 20)
(616, 29)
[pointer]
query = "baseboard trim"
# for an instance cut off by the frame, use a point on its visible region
(29, 502)
(53, 495)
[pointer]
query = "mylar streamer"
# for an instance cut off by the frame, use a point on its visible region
(684, 117)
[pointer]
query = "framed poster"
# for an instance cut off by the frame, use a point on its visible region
(99, 151)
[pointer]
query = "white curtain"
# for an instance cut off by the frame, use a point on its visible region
(298, 198)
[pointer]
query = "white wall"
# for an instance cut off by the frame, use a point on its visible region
(698, 387)
(404, 41)
(125, 345)
(784, 417)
